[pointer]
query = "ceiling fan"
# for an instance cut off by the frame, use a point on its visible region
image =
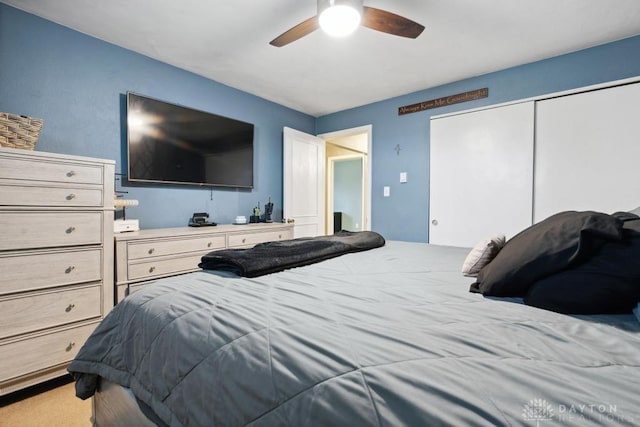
(341, 17)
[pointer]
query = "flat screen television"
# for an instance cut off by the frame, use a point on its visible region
(172, 144)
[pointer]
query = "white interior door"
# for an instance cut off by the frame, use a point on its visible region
(587, 152)
(304, 183)
(481, 174)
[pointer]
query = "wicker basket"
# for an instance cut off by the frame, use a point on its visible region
(19, 131)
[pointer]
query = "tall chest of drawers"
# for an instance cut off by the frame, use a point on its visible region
(56, 260)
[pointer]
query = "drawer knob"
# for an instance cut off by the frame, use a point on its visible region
(71, 173)
(152, 269)
(209, 244)
(152, 250)
(71, 196)
(70, 307)
(71, 230)
(279, 236)
(434, 222)
(70, 346)
(70, 269)
(244, 240)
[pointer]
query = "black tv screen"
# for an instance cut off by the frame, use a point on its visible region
(171, 144)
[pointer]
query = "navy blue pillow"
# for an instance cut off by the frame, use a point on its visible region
(584, 292)
(606, 282)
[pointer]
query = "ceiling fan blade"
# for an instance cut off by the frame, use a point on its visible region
(295, 33)
(387, 22)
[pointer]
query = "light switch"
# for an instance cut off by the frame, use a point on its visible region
(386, 191)
(403, 177)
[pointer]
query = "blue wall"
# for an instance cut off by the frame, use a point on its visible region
(404, 215)
(77, 84)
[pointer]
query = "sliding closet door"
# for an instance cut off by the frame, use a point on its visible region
(481, 174)
(587, 154)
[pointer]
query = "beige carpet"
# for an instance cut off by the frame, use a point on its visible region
(52, 404)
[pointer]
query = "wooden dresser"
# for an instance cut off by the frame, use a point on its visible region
(145, 255)
(56, 260)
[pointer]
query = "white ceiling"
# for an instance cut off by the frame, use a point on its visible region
(228, 41)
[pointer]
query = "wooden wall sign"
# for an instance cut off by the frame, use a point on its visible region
(447, 100)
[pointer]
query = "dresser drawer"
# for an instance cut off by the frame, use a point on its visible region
(31, 271)
(30, 355)
(250, 239)
(49, 229)
(170, 247)
(21, 169)
(17, 195)
(135, 287)
(39, 311)
(164, 267)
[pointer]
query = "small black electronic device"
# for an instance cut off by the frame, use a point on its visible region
(200, 219)
(268, 211)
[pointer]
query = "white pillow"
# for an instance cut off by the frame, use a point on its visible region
(482, 254)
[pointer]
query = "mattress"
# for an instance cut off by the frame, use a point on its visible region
(386, 337)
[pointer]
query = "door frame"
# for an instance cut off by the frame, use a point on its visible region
(367, 165)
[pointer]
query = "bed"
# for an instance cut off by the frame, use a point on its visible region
(385, 337)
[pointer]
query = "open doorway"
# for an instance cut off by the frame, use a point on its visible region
(348, 179)
(345, 197)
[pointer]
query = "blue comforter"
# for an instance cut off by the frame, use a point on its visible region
(387, 337)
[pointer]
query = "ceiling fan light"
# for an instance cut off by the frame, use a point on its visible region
(339, 19)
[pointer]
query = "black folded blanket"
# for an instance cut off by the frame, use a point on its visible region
(271, 257)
